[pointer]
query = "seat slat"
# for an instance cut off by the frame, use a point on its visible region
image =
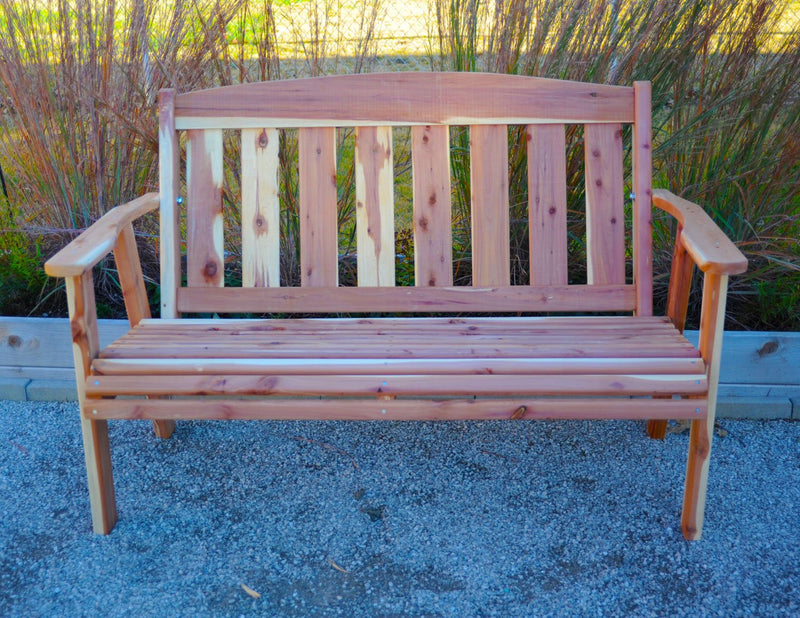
(205, 267)
(433, 241)
(260, 208)
(605, 207)
(401, 409)
(491, 249)
(436, 385)
(547, 204)
(397, 366)
(318, 227)
(374, 206)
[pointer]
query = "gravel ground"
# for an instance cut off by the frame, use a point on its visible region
(388, 519)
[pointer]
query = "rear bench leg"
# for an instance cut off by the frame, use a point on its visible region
(712, 321)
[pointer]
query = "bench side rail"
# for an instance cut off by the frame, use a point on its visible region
(318, 109)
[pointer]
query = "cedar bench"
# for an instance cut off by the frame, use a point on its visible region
(543, 349)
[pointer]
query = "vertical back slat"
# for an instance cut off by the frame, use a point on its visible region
(260, 208)
(547, 204)
(491, 251)
(205, 264)
(433, 239)
(318, 228)
(605, 208)
(168, 157)
(642, 204)
(374, 206)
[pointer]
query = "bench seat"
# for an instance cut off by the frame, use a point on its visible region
(538, 359)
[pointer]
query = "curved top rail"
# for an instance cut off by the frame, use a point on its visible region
(404, 99)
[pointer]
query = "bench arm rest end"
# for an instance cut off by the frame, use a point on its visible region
(704, 241)
(99, 239)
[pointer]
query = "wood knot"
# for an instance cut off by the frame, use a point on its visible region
(14, 341)
(613, 220)
(210, 270)
(263, 139)
(596, 152)
(598, 182)
(552, 210)
(425, 139)
(423, 223)
(519, 413)
(432, 199)
(770, 347)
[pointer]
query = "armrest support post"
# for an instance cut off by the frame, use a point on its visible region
(680, 282)
(131, 280)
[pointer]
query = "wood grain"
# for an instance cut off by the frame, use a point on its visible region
(416, 98)
(433, 240)
(260, 208)
(374, 174)
(605, 208)
(97, 241)
(169, 221)
(407, 299)
(491, 252)
(708, 245)
(400, 409)
(318, 227)
(97, 454)
(205, 263)
(643, 200)
(712, 321)
(547, 204)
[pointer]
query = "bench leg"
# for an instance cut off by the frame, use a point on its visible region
(164, 429)
(657, 429)
(711, 325)
(99, 475)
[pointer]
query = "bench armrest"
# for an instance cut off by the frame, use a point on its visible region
(704, 241)
(99, 239)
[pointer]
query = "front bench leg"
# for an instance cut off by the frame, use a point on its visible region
(85, 347)
(712, 320)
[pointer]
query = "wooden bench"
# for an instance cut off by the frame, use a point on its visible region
(543, 348)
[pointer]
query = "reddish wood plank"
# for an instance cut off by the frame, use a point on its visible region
(643, 200)
(416, 98)
(433, 241)
(169, 219)
(374, 174)
(318, 226)
(97, 454)
(491, 252)
(397, 366)
(547, 204)
(386, 384)
(417, 299)
(400, 409)
(712, 320)
(605, 207)
(260, 208)
(205, 264)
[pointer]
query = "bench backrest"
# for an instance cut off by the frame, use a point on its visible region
(429, 103)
